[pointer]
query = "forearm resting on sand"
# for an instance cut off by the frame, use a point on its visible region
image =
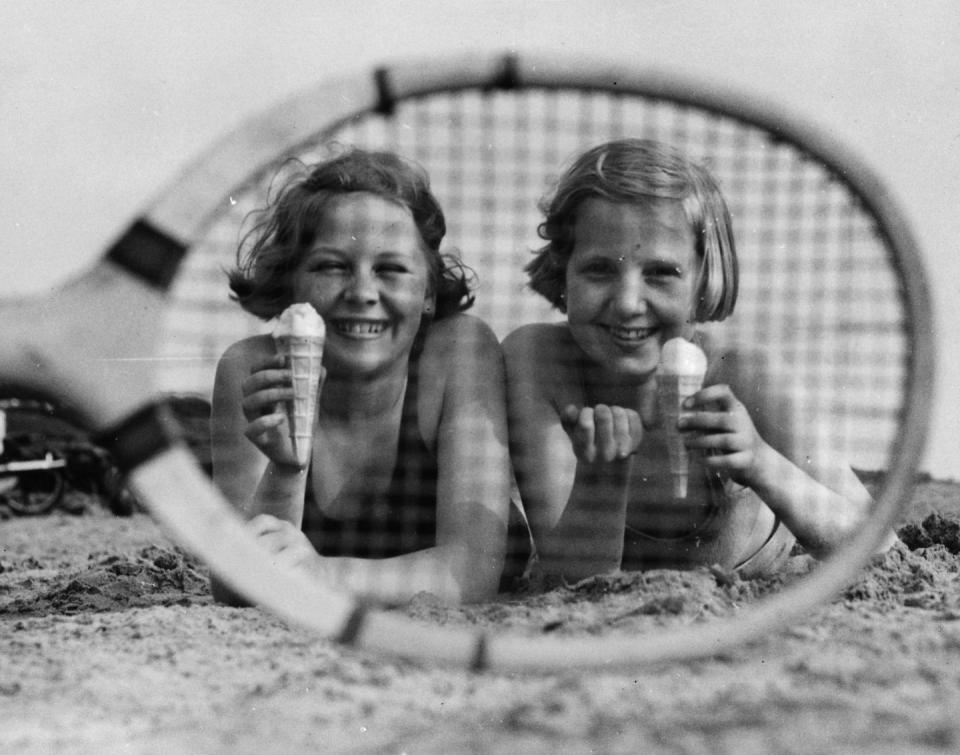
(454, 573)
(586, 538)
(818, 515)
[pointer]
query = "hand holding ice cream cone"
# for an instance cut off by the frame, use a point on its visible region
(679, 376)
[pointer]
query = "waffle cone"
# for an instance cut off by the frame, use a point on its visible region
(304, 357)
(673, 390)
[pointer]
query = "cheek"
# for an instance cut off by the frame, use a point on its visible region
(408, 296)
(689, 303)
(675, 303)
(310, 289)
(583, 298)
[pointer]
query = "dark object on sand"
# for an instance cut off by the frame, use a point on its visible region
(45, 453)
(935, 529)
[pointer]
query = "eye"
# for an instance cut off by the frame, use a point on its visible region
(392, 268)
(328, 266)
(597, 267)
(662, 271)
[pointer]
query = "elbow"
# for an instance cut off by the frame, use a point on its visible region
(480, 586)
(822, 550)
(474, 593)
(477, 576)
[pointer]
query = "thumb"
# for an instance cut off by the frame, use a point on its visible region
(569, 417)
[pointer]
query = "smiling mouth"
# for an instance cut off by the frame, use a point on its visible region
(631, 335)
(359, 328)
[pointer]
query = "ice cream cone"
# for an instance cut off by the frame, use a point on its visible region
(299, 337)
(680, 375)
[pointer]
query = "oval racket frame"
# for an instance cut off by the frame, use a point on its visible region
(89, 346)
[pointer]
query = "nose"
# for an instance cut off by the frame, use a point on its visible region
(630, 294)
(362, 288)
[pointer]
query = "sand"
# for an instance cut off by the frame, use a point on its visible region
(110, 643)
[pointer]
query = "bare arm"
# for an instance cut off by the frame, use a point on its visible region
(249, 479)
(576, 508)
(473, 490)
(751, 429)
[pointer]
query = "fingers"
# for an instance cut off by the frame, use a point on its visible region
(287, 545)
(717, 442)
(712, 409)
(569, 417)
(718, 398)
(707, 422)
(276, 535)
(716, 423)
(634, 434)
(263, 523)
(264, 389)
(579, 425)
(615, 431)
(602, 433)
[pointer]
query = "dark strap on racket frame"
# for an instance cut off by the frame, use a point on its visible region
(479, 661)
(386, 98)
(141, 436)
(148, 253)
(353, 625)
(508, 78)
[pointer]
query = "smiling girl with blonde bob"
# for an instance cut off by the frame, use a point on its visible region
(639, 249)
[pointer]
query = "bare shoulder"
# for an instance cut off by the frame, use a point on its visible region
(542, 353)
(461, 369)
(458, 341)
(459, 351)
(240, 355)
(543, 365)
(252, 347)
(456, 329)
(541, 343)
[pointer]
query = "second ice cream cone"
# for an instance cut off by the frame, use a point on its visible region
(680, 375)
(673, 391)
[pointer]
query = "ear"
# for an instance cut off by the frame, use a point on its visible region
(430, 304)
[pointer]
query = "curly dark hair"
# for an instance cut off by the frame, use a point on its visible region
(270, 252)
(631, 171)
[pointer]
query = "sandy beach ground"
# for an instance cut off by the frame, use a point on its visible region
(109, 643)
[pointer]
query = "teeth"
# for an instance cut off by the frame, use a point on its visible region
(631, 333)
(359, 327)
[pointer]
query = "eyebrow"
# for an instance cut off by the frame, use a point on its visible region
(665, 262)
(385, 254)
(617, 256)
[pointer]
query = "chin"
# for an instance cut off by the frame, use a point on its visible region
(635, 373)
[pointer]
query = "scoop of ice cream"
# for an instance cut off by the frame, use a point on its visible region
(680, 357)
(299, 320)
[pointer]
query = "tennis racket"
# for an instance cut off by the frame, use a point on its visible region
(830, 275)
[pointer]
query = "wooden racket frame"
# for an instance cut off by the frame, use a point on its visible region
(60, 346)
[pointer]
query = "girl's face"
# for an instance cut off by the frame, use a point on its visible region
(629, 283)
(366, 275)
